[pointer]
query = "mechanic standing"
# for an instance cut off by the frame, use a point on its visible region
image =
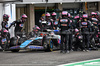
(55, 22)
(72, 27)
(19, 24)
(49, 21)
(76, 18)
(85, 25)
(35, 32)
(64, 26)
(4, 23)
(41, 20)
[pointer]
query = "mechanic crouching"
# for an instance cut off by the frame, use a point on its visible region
(42, 18)
(47, 23)
(35, 32)
(64, 26)
(78, 44)
(4, 39)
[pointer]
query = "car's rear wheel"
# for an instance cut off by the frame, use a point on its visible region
(13, 41)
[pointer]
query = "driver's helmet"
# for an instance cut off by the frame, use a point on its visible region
(43, 15)
(4, 32)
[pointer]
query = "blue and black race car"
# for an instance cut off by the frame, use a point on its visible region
(47, 41)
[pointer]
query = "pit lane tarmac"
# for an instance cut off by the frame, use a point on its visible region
(41, 58)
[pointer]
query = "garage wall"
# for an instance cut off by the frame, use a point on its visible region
(99, 6)
(43, 5)
(1, 13)
(10, 9)
(70, 5)
(20, 11)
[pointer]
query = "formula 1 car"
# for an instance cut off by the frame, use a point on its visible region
(47, 41)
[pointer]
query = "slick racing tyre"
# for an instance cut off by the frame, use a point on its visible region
(13, 41)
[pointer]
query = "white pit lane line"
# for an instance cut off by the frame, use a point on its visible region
(78, 62)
